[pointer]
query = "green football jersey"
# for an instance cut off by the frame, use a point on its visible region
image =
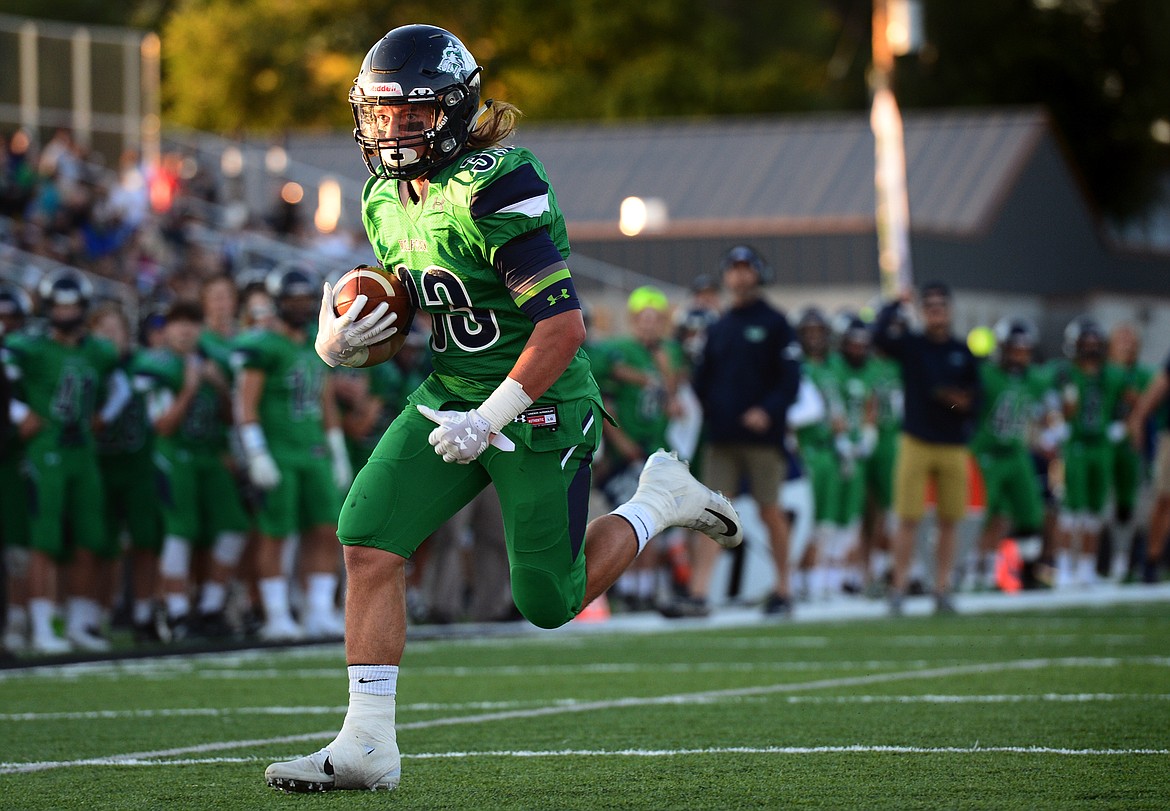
(819, 435)
(640, 410)
(130, 432)
(853, 388)
(160, 373)
(1137, 379)
(1097, 399)
(444, 248)
(61, 383)
(294, 380)
(886, 379)
(1010, 408)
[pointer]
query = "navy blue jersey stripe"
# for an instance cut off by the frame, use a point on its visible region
(578, 498)
(522, 183)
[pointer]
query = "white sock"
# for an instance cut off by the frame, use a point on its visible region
(1087, 568)
(83, 614)
(274, 596)
(375, 680)
(40, 613)
(641, 519)
(647, 580)
(178, 604)
(143, 608)
(879, 563)
(1064, 568)
(321, 592)
(17, 617)
(213, 597)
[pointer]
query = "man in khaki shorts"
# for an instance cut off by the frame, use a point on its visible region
(746, 379)
(940, 378)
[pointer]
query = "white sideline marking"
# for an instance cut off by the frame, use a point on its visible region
(609, 704)
(215, 712)
(856, 748)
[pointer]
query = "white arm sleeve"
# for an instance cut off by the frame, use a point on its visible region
(118, 398)
(809, 407)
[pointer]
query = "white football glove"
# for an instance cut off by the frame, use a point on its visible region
(462, 435)
(262, 469)
(263, 472)
(341, 341)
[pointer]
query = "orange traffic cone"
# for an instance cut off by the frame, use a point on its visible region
(596, 611)
(1008, 567)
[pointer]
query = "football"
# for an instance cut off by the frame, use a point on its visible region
(377, 285)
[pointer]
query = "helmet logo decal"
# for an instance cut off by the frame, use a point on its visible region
(452, 61)
(388, 89)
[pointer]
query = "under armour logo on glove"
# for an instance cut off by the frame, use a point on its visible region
(462, 435)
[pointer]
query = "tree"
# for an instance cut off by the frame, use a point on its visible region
(1101, 68)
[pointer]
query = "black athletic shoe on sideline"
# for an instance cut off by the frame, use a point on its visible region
(681, 607)
(777, 605)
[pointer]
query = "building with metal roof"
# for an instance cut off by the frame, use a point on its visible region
(994, 205)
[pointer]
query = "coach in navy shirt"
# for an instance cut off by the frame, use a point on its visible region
(746, 378)
(940, 382)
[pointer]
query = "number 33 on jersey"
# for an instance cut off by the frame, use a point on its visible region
(444, 247)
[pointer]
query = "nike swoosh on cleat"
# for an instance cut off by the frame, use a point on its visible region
(327, 767)
(727, 522)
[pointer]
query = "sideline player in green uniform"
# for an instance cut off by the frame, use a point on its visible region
(188, 401)
(1129, 465)
(643, 370)
(879, 470)
(290, 431)
(1092, 391)
(816, 446)
(474, 230)
(855, 437)
(125, 455)
(59, 375)
(1014, 406)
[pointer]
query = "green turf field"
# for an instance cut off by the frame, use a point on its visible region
(1060, 709)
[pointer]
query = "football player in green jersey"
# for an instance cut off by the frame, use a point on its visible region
(886, 380)
(290, 432)
(854, 440)
(474, 230)
(188, 402)
(643, 373)
(59, 375)
(1092, 392)
(816, 446)
(1011, 413)
(125, 449)
(1129, 467)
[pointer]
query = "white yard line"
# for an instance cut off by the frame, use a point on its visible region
(215, 712)
(609, 704)
(728, 750)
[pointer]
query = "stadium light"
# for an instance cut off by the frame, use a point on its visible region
(328, 206)
(637, 215)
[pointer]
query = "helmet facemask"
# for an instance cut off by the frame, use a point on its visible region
(397, 137)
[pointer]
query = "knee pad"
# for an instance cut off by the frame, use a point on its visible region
(175, 558)
(541, 599)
